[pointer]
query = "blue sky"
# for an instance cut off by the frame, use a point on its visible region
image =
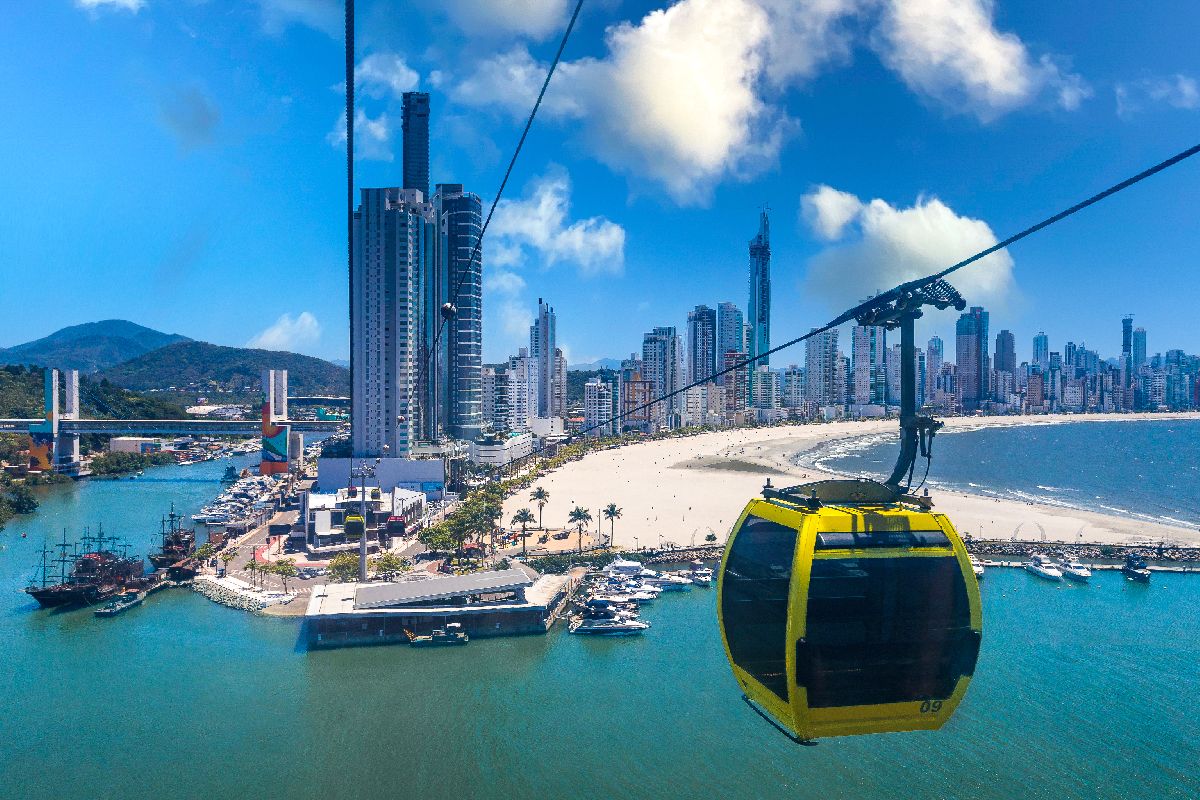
(177, 163)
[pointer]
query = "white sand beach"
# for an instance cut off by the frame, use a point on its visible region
(679, 490)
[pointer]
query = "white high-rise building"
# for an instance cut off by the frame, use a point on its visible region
(522, 390)
(662, 363)
(544, 351)
(822, 368)
(394, 242)
(765, 388)
(598, 407)
(868, 365)
(791, 388)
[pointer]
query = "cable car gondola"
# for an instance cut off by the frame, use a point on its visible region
(849, 606)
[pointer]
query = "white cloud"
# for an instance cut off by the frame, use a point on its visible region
(950, 51)
(828, 211)
(372, 137)
(122, 5)
(806, 35)
(325, 16)
(502, 281)
(380, 74)
(515, 319)
(491, 18)
(510, 82)
(288, 333)
(883, 245)
(539, 222)
(1176, 91)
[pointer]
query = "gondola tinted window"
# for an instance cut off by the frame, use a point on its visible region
(885, 630)
(754, 601)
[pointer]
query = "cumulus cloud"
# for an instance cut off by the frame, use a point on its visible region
(807, 35)
(191, 115)
(372, 137)
(325, 16)
(539, 222)
(120, 5)
(1176, 91)
(502, 281)
(828, 211)
(950, 51)
(288, 333)
(380, 74)
(535, 19)
(882, 245)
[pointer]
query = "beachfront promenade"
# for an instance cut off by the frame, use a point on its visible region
(679, 490)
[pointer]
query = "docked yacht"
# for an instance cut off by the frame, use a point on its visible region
(976, 567)
(702, 576)
(1135, 569)
(608, 626)
(1074, 570)
(1043, 567)
(670, 583)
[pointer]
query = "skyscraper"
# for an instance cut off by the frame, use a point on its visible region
(758, 314)
(1041, 350)
(543, 350)
(868, 364)
(971, 349)
(1139, 347)
(702, 343)
(933, 367)
(415, 126)
(460, 216)
(393, 251)
(1006, 352)
(660, 362)
(821, 369)
(1127, 337)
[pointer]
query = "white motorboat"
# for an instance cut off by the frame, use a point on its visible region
(1074, 570)
(702, 576)
(1043, 567)
(609, 627)
(976, 567)
(630, 569)
(670, 583)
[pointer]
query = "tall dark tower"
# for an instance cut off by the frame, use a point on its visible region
(758, 311)
(415, 125)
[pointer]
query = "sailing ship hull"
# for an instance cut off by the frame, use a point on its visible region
(65, 595)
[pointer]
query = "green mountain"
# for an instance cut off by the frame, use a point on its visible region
(90, 347)
(21, 398)
(207, 368)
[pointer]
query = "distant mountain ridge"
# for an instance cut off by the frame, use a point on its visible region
(203, 367)
(600, 363)
(90, 347)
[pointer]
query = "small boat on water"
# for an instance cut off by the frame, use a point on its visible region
(1135, 569)
(1043, 567)
(120, 603)
(608, 627)
(669, 582)
(702, 576)
(452, 634)
(1074, 570)
(976, 567)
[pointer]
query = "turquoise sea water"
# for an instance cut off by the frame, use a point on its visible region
(1080, 692)
(1146, 469)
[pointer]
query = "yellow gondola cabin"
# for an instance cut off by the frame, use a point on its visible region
(847, 610)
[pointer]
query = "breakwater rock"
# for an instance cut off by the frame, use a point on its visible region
(227, 595)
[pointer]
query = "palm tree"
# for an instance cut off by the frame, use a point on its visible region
(612, 514)
(523, 518)
(541, 497)
(581, 517)
(227, 556)
(252, 568)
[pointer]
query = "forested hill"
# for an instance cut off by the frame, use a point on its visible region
(202, 367)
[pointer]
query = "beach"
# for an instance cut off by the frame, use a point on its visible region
(680, 490)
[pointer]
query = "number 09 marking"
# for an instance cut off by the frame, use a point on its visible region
(931, 706)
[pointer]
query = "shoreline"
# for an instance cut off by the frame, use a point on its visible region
(680, 490)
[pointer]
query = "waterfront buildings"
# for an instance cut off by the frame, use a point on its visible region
(661, 360)
(1006, 352)
(758, 312)
(868, 365)
(821, 369)
(598, 407)
(731, 333)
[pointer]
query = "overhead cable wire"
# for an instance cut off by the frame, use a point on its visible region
(503, 183)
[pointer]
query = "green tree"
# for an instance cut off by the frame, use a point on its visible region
(523, 518)
(580, 517)
(612, 514)
(343, 568)
(541, 497)
(387, 565)
(205, 551)
(712, 537)
(21, 498)
(286, 568)
(227, 556)
(437, 536)
(251, 566)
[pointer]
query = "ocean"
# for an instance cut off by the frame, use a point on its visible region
(1080, 691)
(1144, 469)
